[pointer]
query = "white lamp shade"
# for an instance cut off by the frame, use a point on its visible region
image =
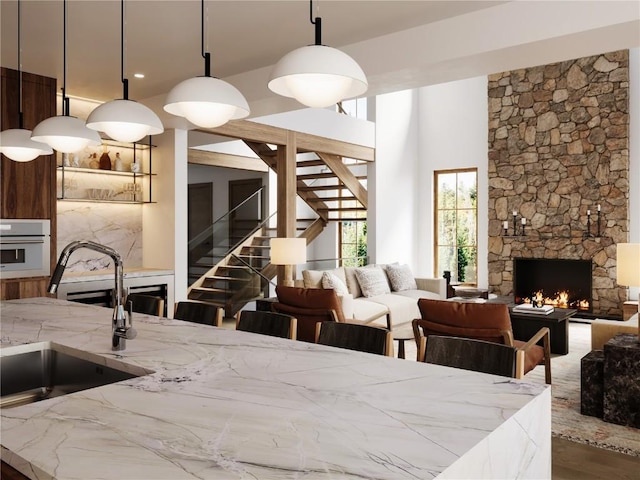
(125, 120)
(65, 134)
(207, 102)
(628, 264)
(17, 145)
(318, 76)
(288, 251)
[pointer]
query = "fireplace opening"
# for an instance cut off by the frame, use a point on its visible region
(561, 283)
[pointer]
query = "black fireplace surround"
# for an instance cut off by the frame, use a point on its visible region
(554, 278)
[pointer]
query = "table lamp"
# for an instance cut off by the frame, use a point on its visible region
(628, 255)
(288, 252)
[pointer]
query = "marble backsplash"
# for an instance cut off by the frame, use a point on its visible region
(118, 226)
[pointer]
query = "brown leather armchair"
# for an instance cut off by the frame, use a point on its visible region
(309, 306)
(482, 321)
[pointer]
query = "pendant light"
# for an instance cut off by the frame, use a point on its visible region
(124, 120)
(16, 143)
(207, 101)
(65, 133)
(317, 75)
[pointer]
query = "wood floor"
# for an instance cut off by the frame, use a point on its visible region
(576, 461)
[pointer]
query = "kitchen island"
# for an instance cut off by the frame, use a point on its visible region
(227, 404)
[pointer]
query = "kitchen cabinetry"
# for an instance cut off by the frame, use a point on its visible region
(129, 180)
(27, 189)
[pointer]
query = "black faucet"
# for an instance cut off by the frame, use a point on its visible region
(120, 330)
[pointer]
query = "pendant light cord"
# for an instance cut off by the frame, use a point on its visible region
(20, 115)
(317, 22)
(205, 55)
(65, 100)
(125, 82)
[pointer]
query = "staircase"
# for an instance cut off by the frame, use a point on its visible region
(232, 272)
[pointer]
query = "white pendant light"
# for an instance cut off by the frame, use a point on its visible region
(207, 102)
(317, 75)
(65, 133)
(16, 143)
(124, 120)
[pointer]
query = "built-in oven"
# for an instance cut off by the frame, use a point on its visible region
(24, 248)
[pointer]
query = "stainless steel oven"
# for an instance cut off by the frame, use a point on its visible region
(24, 248)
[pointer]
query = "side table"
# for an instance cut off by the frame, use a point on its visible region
(622, 380)
(402, 334)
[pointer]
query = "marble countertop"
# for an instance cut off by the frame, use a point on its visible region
(227, 404)
(95, 275)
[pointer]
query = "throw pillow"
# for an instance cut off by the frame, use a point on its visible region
(372, 281)
(401, 278)
(329, 280)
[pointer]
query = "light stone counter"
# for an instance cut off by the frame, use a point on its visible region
(226, 404)
(98, 275)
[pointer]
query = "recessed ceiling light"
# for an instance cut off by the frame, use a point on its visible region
(138, 75)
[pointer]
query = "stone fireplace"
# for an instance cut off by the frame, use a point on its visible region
(558, 150)
(558, 282)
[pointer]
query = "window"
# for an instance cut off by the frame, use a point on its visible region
(353, 243)
(456, 220)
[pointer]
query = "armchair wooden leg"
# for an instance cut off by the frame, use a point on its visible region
(547, 358)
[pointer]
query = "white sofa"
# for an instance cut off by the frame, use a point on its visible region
(392, 310)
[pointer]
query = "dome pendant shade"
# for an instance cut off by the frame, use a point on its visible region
(17, 145)
(318, 76)
(65, 134)
(125, 120)
(207, 102)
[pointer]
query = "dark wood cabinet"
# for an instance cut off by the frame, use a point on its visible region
(27, 189)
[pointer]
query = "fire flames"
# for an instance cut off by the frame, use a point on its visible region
(561, 300)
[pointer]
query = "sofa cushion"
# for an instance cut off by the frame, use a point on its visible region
(330, 280)
(373, 281)
(352, 281)
(402, 309)
(313, 278)
(400, 278)
(313, 298)
(366, 311)
(418, 294)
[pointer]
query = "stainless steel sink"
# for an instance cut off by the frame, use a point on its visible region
(38, 371)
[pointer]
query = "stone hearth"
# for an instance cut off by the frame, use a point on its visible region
(558, 146)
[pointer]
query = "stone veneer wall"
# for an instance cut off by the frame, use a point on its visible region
(558, 146)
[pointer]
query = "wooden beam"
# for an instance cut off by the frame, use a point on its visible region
(287, 194)
(258, 132)
(226, 160)
(344, 174)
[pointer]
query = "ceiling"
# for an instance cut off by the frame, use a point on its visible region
(162, 38)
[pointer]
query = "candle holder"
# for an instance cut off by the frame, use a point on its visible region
(518, 230)
(587, 233)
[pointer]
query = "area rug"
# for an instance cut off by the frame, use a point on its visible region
(567, 422)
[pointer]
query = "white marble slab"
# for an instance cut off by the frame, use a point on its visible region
(225, 404)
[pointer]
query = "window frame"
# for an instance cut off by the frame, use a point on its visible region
(436, 211)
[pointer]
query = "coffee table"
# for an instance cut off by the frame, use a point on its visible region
(525, 326)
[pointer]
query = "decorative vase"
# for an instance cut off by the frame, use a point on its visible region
(105, 161)
(118, 162)
(135, 167)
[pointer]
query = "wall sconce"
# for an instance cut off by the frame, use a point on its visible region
(518, 230)
(288, 252)
(588, 233)
(628, 268)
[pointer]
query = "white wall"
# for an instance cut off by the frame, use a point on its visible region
(220, 177)
(164, 224)
(453, 125)
(393, 185)
(634, 152)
